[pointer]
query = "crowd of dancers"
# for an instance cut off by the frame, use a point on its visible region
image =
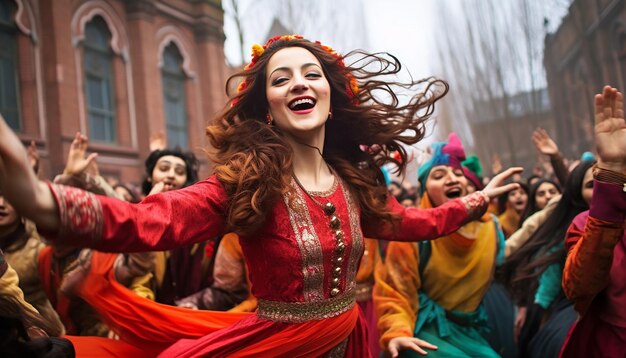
(299, 244)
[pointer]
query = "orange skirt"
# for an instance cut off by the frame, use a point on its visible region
(148, 329)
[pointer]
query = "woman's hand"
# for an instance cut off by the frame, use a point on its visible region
(544, 143)
(610, 130)
(495, 188)
(77, 160)
(403, 343)
(189, 305)
(160, 187)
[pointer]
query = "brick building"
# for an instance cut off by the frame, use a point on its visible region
(585, 53)
(117, 70)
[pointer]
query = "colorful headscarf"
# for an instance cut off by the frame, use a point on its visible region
(473, 170)
(450, 153)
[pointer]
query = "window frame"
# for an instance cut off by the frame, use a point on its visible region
(106, 79)
(176, 74)
(11, 31)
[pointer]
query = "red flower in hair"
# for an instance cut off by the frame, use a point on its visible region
(352, 87)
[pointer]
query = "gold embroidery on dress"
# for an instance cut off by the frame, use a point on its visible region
(475, 204)
(297, 312)
(308, 243)
(325, 192)
(80, 213)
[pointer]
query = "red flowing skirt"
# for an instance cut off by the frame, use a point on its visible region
(148, 329)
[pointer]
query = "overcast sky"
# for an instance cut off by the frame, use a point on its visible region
(404, 28)
(401, 27)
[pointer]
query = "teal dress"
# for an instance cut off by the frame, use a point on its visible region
(455, 333)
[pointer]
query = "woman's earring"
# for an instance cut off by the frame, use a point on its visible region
(268, 119)
(330, 114)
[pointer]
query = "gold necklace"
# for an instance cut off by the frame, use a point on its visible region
(329, 210)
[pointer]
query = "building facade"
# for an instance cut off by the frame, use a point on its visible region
(504, 127)
(585, 53)
(120, 71)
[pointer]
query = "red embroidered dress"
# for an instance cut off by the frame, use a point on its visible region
(291, 262)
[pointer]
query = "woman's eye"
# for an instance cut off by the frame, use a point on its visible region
(279, 80)
(313, 75)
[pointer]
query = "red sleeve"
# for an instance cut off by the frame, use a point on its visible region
(160, 222)
(429, 224)
(590, 244)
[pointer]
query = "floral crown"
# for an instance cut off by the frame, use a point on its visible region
(352, 87)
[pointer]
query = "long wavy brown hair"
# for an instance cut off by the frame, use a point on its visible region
(522, 270)
(254, 162)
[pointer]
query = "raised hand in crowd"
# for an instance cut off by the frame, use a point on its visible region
(158, 141)
(610, 130)
(496, 164)
(544, 143)
(595, 242)
(77, 160)
(92, 169)
(81, 170)
(547, 146)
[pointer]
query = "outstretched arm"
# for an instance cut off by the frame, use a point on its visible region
(429, 224)
(591, 249)
(74, 217)
(31, 197)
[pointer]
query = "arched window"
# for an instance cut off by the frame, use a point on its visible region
(98, 58)
(9, 89)
(174, 99)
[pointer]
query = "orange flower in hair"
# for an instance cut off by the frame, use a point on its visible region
(352, 87)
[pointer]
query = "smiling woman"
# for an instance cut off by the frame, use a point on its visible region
(291, 179)
(445, 183)
(298, 95)
(435, 289)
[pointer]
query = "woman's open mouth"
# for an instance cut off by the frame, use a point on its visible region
(520, 204)
(302, 105)
(453, 193)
